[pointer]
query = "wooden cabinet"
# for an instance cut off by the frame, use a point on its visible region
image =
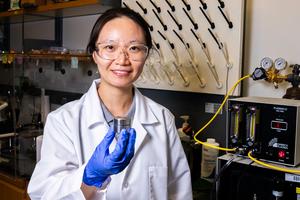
(12, 188)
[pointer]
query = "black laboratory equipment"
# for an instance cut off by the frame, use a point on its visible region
(17, 142)
(268, 126)
(6, 121)
(242, 180)
(294, 91)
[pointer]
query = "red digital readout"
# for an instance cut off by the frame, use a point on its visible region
(279, 125)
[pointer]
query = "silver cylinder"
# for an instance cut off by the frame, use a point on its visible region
(120, 123)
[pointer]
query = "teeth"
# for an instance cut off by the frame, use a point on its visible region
(121, 72)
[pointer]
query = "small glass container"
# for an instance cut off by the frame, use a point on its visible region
(120, 123)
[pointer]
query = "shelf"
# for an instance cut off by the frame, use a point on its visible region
(58, 56)
(61, 10)
(51, 56)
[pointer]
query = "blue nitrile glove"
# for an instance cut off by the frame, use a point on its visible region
(102, 164)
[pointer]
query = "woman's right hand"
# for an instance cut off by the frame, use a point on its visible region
(103, 164)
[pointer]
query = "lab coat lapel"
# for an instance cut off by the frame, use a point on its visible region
(143, 117)
(96, 124)
(140, 133)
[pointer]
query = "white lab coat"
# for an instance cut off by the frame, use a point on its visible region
(158, 170)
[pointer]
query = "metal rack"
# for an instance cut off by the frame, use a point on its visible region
(196, 44)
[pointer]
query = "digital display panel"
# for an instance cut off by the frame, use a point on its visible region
(279, 125)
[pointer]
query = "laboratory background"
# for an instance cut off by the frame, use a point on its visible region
(228, 71)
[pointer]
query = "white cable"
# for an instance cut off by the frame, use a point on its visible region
(3, 105)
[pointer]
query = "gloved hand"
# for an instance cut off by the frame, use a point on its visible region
(102, 164)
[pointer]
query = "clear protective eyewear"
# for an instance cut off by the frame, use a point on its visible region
(111, 51)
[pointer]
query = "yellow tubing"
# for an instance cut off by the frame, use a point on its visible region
(215, 115)
(294, 171)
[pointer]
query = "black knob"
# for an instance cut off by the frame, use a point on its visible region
(258, 74)
(62, 71)
(296, 69)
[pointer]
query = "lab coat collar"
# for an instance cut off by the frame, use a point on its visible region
(143, 116)
(92, 106)
(143, 112)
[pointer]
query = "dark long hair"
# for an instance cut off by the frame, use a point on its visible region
(112, 14)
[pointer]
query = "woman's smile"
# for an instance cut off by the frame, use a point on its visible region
(121, 72)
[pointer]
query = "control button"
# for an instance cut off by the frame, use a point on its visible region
(281, 154)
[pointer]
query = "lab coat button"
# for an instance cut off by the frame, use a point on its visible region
(125, 185)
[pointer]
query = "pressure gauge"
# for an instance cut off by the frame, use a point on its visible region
(266, 63)
(280, 64)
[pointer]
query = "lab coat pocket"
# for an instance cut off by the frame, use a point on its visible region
(158, 187)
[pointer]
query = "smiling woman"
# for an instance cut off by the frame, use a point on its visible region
(120, 55)
(81, 157)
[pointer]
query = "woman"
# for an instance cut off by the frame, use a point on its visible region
(146, 162)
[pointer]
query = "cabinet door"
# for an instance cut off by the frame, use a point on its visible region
(11, 191)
